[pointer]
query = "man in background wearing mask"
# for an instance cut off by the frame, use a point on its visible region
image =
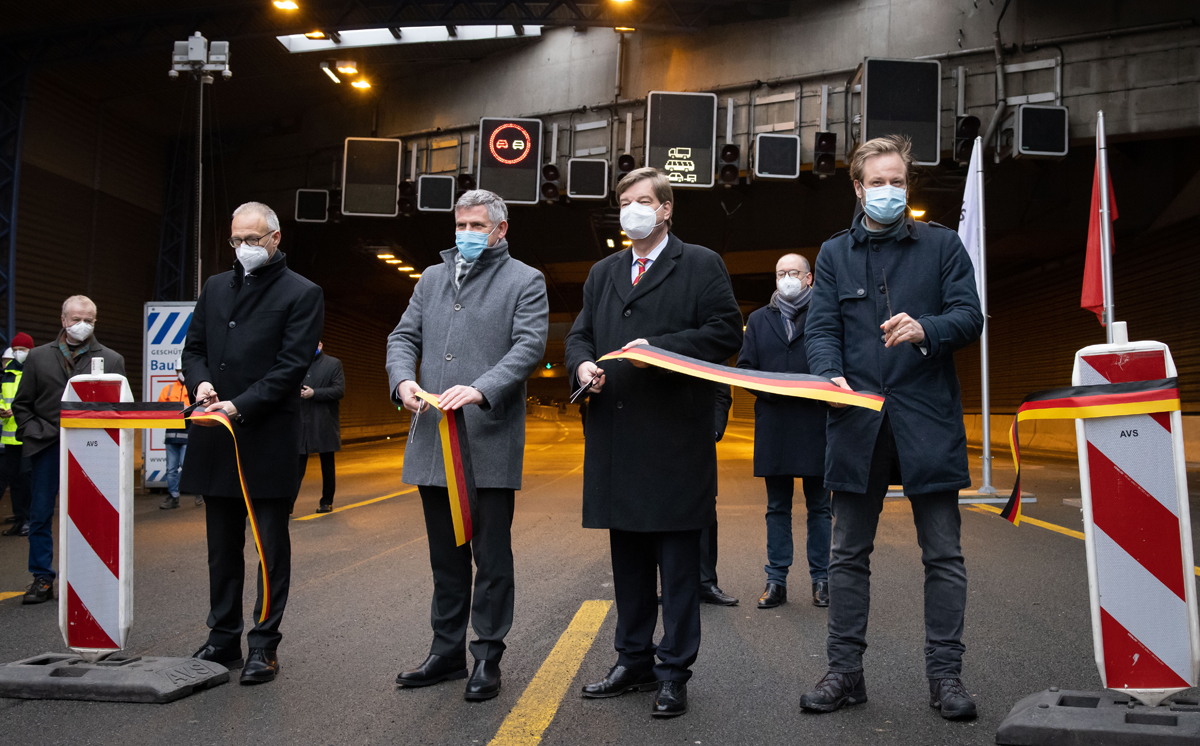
(249, 345)
(650, 462)
(892, 300)
(15, 468)
(789, 433)
(175, 441)
(36, 408)
(477, 326)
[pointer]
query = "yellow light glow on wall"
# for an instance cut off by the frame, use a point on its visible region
(286, 5)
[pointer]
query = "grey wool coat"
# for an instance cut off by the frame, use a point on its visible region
(489, 334)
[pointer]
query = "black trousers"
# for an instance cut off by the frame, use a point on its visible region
(939, 526)
(225, 518)
(708, 556)
(14, 474)
(328, 476)
(491, 609)
(637, 560)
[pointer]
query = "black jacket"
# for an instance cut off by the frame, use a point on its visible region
(252, 337)
(39, 395)
(320, 420)
(929, 277)
(789, 433)
(650, 462)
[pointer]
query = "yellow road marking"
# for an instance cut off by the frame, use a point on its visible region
(357, 505)
(10, 594)
(1043, 524)
(539, 702)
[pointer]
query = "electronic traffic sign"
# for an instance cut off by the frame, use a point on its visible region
(510, 155)
(371, 177)
(681, 136)
(904, 97)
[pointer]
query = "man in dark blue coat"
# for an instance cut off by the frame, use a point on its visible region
(789, 433)
(892, 300)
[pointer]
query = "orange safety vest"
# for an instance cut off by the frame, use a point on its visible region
(175, 392)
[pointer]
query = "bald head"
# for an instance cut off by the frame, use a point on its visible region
(789, 262)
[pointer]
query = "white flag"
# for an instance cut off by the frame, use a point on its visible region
(969, 217)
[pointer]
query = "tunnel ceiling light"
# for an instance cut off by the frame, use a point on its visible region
(415, 275)
(347, 67)
(405, 268)
(394, 261)
(918, 213)
(325, 67)
(286, 5)
(316, 41)
(611, 244)
(627, 243)
(624, 29)
(385, 256)
(361, 84)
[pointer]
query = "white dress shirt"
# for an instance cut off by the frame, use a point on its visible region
(652, 257)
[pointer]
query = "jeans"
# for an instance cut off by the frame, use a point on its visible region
(43, 496)
(175, 454)
(779, 528)
(938, 523)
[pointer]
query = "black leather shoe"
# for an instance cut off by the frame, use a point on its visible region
(325, 508)
(620, 680)
(821, 593)
(40, 591)
(671, 700)
(484, 682)
(231, 658)
(17, 529)
(261, 666)
(434, 670)
(717, 597)
(836, 690)
(952, 698)
(774, 595)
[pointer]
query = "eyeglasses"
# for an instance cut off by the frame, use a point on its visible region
(235, 241)
(793, 273)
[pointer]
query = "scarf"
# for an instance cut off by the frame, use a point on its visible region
(69, 354)
(789, 310)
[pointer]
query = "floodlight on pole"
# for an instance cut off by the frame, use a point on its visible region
(200, 59)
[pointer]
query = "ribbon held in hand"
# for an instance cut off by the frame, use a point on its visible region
(1086, 402)
(460, 478)
(797, 385)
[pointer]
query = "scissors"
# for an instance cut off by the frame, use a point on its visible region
(583, 388)
(192, 408)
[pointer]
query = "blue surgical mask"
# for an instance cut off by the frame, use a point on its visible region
(885, 204)
(471, 243)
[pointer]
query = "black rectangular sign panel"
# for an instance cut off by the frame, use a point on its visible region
(587, 178)
(312, 205)
(681, 136)
(435, 193)
(510, 158)
(776, 156)
(371, 177)
(1041, 131)
(904, 97)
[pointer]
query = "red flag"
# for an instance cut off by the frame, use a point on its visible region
(1092, 297)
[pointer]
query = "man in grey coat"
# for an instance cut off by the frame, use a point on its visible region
(484, 317)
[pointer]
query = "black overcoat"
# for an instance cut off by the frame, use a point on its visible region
(650, 462)
(789, 433)
(321, 424)
(929, 277)
(252, 337)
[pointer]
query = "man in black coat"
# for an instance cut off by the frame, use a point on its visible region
(892, 300)
(789, 434)
(650, 465)
(710, 591)
(249, 345)
(321, 425)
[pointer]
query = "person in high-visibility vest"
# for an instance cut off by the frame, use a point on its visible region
(12, 473)
(176, 443)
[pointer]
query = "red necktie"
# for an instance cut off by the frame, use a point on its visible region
(641, 269)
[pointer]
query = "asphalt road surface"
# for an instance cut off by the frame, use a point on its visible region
(359, 613)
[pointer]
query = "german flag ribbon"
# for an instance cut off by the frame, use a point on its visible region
(123, 415)
(785, 384)
(1086, 402)
(460, 478)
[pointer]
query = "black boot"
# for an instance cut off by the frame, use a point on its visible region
(40, 591)
(836, 690)
(434, 670)
(821, 593)
(952, 698)
(774, 595)
(671, 700)
(717, 597)
(484, 682)
(620, 680)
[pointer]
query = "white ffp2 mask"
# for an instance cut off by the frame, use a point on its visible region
(80, 331)
(638, 220)
(251, 257)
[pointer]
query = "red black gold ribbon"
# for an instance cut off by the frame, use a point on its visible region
(785, 384)
(1086, 402)
(119, 415)
(460, 478)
